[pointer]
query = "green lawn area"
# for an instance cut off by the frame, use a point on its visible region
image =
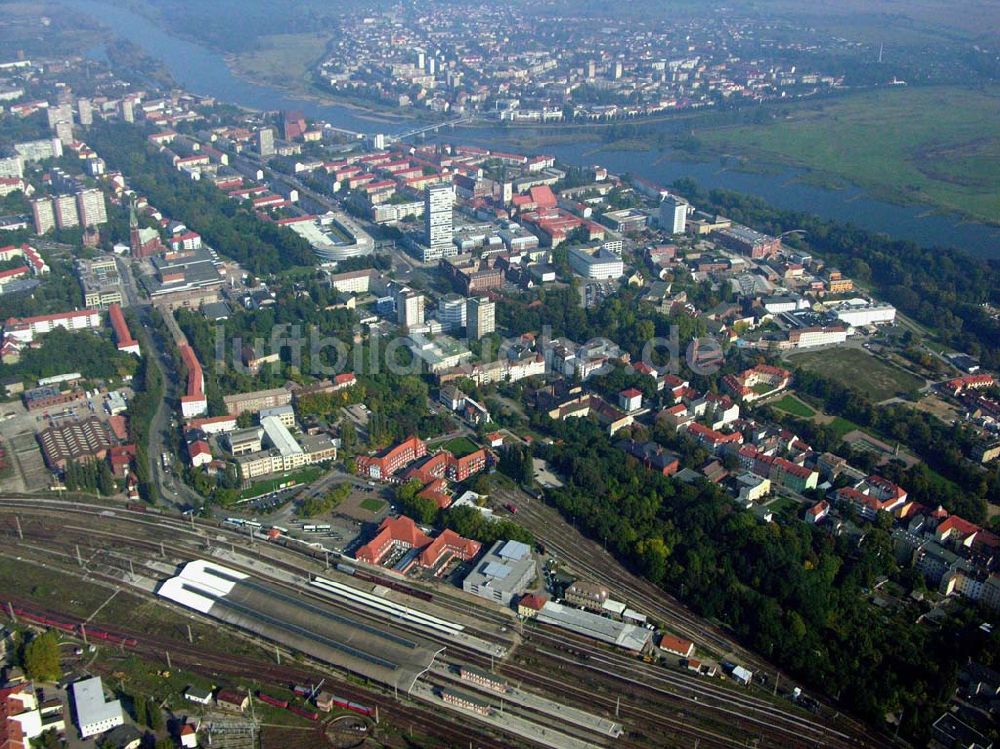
(372, 505)
(852, 367)
(784, 506)
(305, 475)
(460, 446)
(762, 388)
(936, 145)
(842, 426)
(792, 405)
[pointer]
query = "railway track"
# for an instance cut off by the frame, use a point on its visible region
(207, 663)
(688, 701)
(590, 559)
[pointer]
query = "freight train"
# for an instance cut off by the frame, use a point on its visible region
(341, 702)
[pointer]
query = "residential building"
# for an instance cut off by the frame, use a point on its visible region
(409, 308)
(481, 317)
(91, 207)
(438, 201)
(390, 461)
(123, 337)
(193, 402)
(257, 400)
(67, 215)
(265, 141)
(21, 720)
(757, 382)
(653, 456)
(25, 329)
(673, 215)
(587, 595)
(43, 212)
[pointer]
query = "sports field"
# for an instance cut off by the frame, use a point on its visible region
(934, 145)
(851, 367)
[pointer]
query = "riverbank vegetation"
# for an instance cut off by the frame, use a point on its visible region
(937, 145)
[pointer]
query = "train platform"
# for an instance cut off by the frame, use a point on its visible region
(505, 721)
(536, 702)
(385, 654)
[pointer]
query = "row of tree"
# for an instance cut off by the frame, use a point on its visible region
(225, 224)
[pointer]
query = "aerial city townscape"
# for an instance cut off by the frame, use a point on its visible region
(453, 374)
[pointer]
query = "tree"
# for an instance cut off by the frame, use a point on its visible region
(105, 480)
(155, 716)
(41, 657)
(348, 436)
(141, 708)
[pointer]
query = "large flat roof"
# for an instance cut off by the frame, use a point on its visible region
(280, 437)
(90, 704)
(600, 628)
(360, 642)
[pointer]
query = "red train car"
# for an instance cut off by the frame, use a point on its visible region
(346, 704)
(303, 712)
(272, 700)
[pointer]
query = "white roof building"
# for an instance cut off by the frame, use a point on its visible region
(95, 715)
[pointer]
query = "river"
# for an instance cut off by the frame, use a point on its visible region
(204, 71)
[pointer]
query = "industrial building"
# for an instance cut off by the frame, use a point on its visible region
(628, 636)
(504, 573)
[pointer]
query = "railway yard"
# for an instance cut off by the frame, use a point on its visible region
(403, 650)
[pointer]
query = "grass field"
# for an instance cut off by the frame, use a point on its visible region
(460, 446)
(792, 405)
(304, 475)
(842, 426)
(282, 60)
(851, 367)
(936, 145)
(372, 505)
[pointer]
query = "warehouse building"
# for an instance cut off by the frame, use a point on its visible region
(623, 635)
